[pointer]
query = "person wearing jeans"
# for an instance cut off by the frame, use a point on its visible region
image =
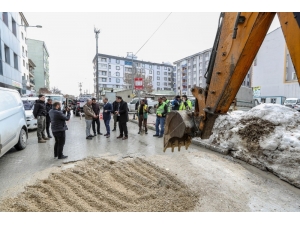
(89, 116)
(161, 112)
(59, 127)
(107, 110)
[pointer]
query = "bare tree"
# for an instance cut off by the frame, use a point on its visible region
(55, 90)
(44, 91)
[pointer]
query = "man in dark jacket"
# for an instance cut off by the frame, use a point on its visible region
(107, 110)
(122, 117)
(59, 127)
(115, 106)
(176, 103)
(96, 109)
(48, 121)
(39, 113)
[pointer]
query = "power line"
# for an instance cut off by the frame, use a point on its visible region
(153, 33)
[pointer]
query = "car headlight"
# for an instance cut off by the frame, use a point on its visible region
(30, 117)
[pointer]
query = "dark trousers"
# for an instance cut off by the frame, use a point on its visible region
(60, 138)
(106, 122)
(115, 121)
(48, 121)
(141, 121)
(123, 129)
(96, 121)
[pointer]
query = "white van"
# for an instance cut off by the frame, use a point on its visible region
(293, 103)
(13, 128)
(28, 103)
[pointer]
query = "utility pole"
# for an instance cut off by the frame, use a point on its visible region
(80, 86)
(97, 31)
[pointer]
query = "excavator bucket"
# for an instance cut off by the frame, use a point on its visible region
(180, 127)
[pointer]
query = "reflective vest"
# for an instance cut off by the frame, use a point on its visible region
(145, 111)
(168, 104)
(189, 105)
(160, 108)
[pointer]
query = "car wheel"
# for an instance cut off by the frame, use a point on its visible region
(22, 143)
(151, 110)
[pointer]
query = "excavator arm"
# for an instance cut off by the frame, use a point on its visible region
(237, 42)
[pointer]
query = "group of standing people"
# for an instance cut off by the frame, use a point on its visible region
(118, 109)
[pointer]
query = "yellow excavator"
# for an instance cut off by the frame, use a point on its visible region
(238, 39)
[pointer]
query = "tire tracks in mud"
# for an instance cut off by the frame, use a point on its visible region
(102, 185)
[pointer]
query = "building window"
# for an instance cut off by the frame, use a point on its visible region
(16, 61)
(117, 68)
(165, 78)
(14, 27)
(5, 18)
(109, 67)
(158, 84)
(117, 61)
(118, 80)
(117, 74)
(117, 86)
(26, 65)
(143, 70)
(150, 77)
(273, 100)
(165, 68)
(157, 78)
(143, 65)
(109, 60)
(103, 79)
(165, 84)
(158, 73)
(165, 73)
(102, 65)
(158, 67)
(22, 35)
(109, 73)
(150, 66)
(103, 59)
(109, 79)
(7, 55)
(263, 100)
(103, 73)
(150, 71)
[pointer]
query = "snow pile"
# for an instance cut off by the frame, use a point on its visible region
(267, 136)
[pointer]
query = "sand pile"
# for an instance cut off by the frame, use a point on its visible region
(267, 136)
(101, 185)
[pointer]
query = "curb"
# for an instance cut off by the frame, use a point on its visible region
(214, 148)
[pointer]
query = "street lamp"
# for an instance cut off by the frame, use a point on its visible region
(97, 31)
(38, 26)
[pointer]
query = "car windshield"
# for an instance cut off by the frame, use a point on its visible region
(290, 101)
(83, 99)
(27, 105)
(55, 98)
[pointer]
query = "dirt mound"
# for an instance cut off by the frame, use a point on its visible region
(101, 185)
(255, 129)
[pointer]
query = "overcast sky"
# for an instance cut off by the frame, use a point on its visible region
(71, 42)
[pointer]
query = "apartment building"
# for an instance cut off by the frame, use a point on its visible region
(191, 71)
(273, 73)
(13, 50)
(117, 72)
(39, 55)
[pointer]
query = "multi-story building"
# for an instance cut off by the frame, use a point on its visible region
(273, 72)
(116, 72)
(191, 72)
(13, 50)
(38, 53)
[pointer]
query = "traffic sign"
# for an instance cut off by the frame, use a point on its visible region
(138, 83)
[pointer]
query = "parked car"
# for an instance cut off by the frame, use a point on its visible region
(292, 103)
(28, 103)
(150, 103)
(13, 127)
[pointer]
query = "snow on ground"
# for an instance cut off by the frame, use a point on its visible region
(267, 136)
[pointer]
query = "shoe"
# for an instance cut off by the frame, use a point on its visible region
(45, 138)
(107, 136)
(160, 136)
(89, 138)
(155, 135)
(124, 138)
(63, 157)
(41, 141)
(139, 132)
(114, 129)
(146, 132)
(49, 136)
(100, 133)
(120, 136)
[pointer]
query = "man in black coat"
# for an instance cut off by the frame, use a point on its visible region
(115, 106)
(96, 109)
(122, 117)
(39, 113)
(59, 127)
(48, 120)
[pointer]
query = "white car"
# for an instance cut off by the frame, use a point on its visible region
(13, 128)
(29, 106)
